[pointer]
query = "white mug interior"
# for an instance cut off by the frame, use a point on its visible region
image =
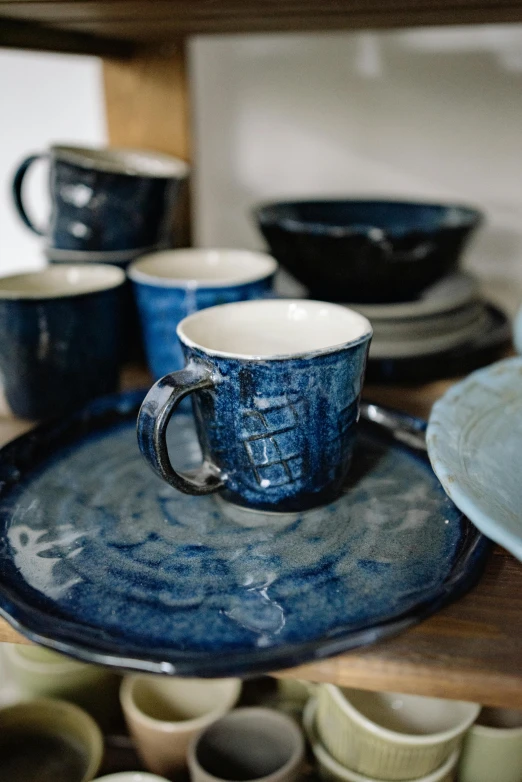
(201, 268)
(132, 162)
(61, 281)
(273, 329)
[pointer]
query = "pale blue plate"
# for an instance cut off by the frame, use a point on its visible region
(101, 559)
(475, 447)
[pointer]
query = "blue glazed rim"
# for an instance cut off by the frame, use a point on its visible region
(273, 213)
(33, 617)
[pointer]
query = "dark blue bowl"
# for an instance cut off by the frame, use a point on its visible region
(366, 251)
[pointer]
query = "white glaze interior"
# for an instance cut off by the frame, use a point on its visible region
(273, 328)
(412, 715)
(133, 162)
(179, 700)
(203, 268)
(61, 280)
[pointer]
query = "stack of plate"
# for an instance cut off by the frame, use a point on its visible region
(448, 326)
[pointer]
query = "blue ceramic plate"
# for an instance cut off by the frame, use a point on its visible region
(475, 446)
(102, 560)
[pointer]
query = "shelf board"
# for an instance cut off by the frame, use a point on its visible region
(470, 650)
(117, 27)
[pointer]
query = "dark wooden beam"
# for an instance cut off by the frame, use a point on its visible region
(29, 35)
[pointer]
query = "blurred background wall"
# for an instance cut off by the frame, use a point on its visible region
(433, 113)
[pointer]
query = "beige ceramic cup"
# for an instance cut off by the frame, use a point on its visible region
(492, 750)
(164, 714)
(389, 735)
(44, 730)
(250, 744)
(332, 771)
(39, 672)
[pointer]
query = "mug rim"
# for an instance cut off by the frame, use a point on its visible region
(130, 776)
(111, 159)
(294, 761)
(111, 277)
(171, 726)
(394, 736)
(334, 348)
(136, 273)
(14, 655)
(90, 729)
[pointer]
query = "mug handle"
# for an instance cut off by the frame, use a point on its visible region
(153, 419)
(17, 191)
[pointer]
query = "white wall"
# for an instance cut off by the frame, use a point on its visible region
(44, 98)
(430, 113)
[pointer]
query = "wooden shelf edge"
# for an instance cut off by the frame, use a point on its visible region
(16, 34)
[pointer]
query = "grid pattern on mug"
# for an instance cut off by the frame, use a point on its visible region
(272, 441)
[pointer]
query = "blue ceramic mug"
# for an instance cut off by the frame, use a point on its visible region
(60, 338)
(172, 284)
(276, 387)
(106, 204)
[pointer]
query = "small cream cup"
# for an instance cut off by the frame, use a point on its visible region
(492, 749)
(390, 735)
(164, 714)
(50, 720)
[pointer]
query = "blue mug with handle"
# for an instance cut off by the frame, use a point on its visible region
(276, 387)
(106, 204)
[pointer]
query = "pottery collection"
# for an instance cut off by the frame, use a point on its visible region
(249, 512)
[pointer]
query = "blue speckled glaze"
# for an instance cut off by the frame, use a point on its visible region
(281, 431)
(102, 211)
(161, 308)
(57, 353)
(103, 560)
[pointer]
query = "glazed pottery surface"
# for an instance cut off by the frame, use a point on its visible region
(428, 335)
(389, 735)
(333, 771)
(106, 200)
(172, 284)
(367, 251)
(131, 776)
(492, 748)
(486, 345)
(248, 744)
(453, 292)
(60, 338)
(39, 672)
(474, 438)
(277, 387)
(46, 740)
(112, 565)
(164, 716)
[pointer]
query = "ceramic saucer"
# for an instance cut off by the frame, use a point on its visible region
(102, 560)
(475, 446)
(451, 293)
(485, 346)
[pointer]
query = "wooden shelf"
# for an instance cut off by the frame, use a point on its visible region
(120, 28)
(470, 650)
